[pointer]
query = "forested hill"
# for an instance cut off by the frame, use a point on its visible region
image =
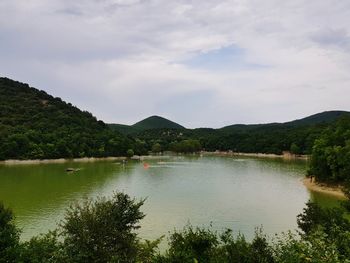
(296, 136)
(157, 122)
(325, 117)
(34, 125)
(150, 123)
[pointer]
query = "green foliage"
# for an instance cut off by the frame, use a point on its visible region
(9, 236)
(313, 248)
(313, 216)
(156, 122)
(35, 125)
(330, 159)
(333, 224)
(156, 148)
(43, 248)
(130, 153)
(191, 244)
(186, 146)
(265, 138)
(294, 148)
(103, 230)
(204, 245)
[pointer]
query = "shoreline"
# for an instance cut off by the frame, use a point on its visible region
(285, 155)
(61, 160)
(336, 191)
(79, 160)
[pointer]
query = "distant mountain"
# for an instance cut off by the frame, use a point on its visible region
(157, 122)
(150, 123)
(325, 117)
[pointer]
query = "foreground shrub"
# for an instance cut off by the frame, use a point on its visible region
(204, 245)
(43, 248)
(103, 230)
(9, 236)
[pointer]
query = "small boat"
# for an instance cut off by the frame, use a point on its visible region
(71, 170)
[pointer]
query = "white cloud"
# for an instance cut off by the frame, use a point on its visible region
(122, 59)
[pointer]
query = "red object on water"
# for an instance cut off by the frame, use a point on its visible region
(145, 165)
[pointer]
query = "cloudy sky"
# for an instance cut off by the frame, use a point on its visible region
(202, 63)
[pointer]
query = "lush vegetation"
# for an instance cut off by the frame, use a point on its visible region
(35, 125)
(150, 123)
(274, 138)
(104, 230)
(330, 159)
(297, 136)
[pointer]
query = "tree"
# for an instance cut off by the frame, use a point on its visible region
(130, 153)
(43, 248)
(330, 159)
(156, 148)
(294, 148)
(9, 236)
(330, 222)
(103, 230)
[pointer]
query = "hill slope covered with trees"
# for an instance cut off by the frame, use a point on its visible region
(150, 123)
(296, 136)
(35, 125)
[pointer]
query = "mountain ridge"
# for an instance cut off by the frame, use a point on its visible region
(153, 121)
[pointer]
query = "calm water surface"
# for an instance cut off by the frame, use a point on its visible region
(236, 193)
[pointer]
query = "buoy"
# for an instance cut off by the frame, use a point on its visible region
(145, 165)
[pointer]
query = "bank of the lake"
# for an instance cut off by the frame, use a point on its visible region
(61, 160)
(285, 155)
(334, 190)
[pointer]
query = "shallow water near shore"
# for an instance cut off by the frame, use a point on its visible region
(224, 192)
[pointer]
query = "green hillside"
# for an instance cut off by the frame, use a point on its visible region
(34, 125)
(150, 123)
(124, 129)
(325, 117)
(297, 136)
(156, 122)
(319, 118)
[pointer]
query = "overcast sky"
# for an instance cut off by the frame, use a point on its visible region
(201, 63)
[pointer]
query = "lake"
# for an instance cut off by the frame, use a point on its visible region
(237, 193)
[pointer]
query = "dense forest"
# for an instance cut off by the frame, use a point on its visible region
(297, 137)
(330, 158)
(35, 125)
(105, 230)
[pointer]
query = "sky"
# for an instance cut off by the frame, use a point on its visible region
(201, 63)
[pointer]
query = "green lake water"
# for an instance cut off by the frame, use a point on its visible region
(236, 193)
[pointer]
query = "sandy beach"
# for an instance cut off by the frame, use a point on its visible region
(323, 188)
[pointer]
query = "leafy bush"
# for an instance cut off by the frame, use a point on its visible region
(103, 230)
